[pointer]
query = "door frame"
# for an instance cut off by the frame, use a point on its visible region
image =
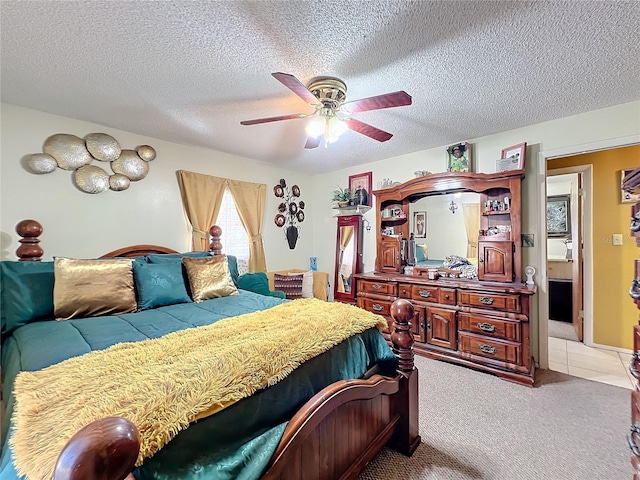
(543, 285)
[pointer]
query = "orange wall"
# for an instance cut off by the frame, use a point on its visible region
(614, 312)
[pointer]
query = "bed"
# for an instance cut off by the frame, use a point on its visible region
(357, 396)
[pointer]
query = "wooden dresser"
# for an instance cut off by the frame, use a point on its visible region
(632, 185)
(481, 323)
(466, 322)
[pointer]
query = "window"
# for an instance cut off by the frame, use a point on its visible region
(234, 237)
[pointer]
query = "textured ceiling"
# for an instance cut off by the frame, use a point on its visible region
(190, 71)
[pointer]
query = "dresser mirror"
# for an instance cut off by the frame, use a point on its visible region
(348, 257)
(473, 216)
(445, 225)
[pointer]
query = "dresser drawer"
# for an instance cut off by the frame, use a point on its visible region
(497, 301)
(479, 345)
(428, 293)
(382, 288)
(381, 307)
(489, 326)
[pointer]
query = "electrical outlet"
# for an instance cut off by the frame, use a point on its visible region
(616, 239)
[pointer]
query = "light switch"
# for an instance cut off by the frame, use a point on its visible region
(617, 239)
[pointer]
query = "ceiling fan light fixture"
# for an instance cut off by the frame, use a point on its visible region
(315, 127)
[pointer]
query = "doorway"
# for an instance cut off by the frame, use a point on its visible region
(565, 196)
(585, 359)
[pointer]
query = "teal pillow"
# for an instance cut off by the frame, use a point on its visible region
(255, 282)
(159, 284)
(174, 257)
(26, 293)
(177, 257)
(419, 254)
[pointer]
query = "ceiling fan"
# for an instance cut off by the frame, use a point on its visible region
(327, 95)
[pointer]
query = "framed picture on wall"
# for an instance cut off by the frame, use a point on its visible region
(626, 197)
(558, 215)
(360, 187)
(420, 224)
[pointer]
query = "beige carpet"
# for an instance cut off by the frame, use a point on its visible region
(476, 426)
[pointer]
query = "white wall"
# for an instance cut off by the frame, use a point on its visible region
(82, 225)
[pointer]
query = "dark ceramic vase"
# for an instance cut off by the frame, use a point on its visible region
(292, 236)
(361, 197)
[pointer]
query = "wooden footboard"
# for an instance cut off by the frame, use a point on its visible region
(338, 431)
(333, 436)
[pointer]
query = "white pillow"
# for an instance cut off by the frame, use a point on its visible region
(307, 283)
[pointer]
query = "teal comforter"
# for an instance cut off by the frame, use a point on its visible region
(235, 443)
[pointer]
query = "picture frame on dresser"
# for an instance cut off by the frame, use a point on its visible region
(459, 158)
(512, 158)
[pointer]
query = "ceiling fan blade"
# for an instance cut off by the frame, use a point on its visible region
(368, 130)
(312, 142)
(297, 87)
(273, 119)
(388, 100)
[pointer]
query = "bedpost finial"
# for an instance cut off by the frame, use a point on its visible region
(215, 246)
(29, 250)
(402, 339)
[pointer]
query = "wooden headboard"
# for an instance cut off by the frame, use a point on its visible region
(30, 250)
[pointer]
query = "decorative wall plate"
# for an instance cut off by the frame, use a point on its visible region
(69, 151)
(146, 153)
(102, 147)
(130, 165)
(279, 220)
(278, 191)
(119, 182)
(295, 190)
(91, 179)
(41, 163)
(300, 216)
(293, 208)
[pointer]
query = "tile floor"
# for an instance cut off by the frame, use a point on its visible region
(595, 364)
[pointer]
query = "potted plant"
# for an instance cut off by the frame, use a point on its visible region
(342, 196)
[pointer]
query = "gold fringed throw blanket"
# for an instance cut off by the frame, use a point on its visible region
(164, 384)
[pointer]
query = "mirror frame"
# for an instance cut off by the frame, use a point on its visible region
(356, 267)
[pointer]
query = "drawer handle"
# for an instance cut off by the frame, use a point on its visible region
(377, 308)
(424, 294)
(487, 348)
(487, 327)
(446, 297)
(486, 300)
(376, 286)
(634, 291)
(631, 438)
(632, 365)
(635, 223)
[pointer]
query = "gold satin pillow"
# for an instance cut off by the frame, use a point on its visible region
(209, 277)
(89, 288)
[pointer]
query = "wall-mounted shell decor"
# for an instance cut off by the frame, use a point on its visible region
(76, 154)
